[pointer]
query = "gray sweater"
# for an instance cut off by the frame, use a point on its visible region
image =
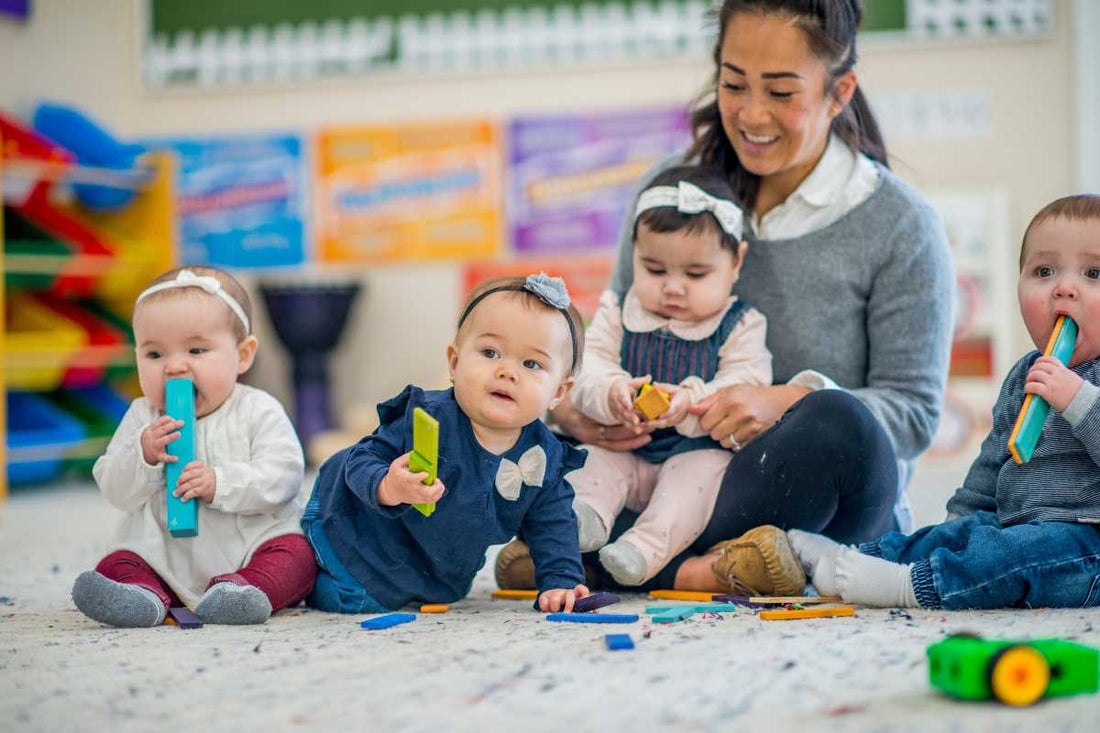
(867, 301)
(1061, 482)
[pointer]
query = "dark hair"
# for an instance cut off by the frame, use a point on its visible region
(668, 219)
(1080, 207)
(231, 285)
(830, 27)
(514, 286)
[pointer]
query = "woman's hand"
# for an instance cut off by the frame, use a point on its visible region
(609, 437)
(737, 414)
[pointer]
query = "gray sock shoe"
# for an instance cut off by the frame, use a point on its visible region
(593, 535)
(624, 562)
(118, 604)
(229, 603)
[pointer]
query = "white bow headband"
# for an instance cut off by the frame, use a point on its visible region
(188, 279)
(688, 198)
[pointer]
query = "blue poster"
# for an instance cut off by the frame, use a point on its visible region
(240, 200)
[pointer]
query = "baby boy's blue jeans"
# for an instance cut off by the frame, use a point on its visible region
(336, 589)
(974, 562)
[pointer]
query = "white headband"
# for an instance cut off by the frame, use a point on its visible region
(188, 279)
(688, 198)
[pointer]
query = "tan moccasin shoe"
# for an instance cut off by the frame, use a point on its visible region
(760, 562)
(514, 568)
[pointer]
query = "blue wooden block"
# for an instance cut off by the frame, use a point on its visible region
(594, 601)
(390, 619)
(593, 618)
(179, 403)
(619, 641)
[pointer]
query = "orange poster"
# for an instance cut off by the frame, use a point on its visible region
(399, 193)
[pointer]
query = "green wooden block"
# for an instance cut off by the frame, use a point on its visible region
(425, 452)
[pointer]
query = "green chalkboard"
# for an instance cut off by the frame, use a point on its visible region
(172, 16)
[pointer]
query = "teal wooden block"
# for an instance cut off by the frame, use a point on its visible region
(672, 615)
(1033, 414)
(179, 403)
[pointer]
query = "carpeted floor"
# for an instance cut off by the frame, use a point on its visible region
(485, 666)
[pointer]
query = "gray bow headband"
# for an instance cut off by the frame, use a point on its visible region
(550, 290)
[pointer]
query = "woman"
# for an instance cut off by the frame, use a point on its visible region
(851, 268)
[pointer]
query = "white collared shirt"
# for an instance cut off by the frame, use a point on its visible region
(840, 181)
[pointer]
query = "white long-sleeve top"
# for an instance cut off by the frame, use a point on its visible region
(254, 451)
(742, 359)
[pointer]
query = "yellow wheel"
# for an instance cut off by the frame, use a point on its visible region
(1018, 675)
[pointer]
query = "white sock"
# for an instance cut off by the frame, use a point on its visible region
(592, 533)
(873, 581)
(817, 553)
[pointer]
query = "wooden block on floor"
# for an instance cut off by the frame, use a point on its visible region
(515, 595)
(806, 613)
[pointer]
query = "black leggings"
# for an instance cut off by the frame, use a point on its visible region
(827, 466)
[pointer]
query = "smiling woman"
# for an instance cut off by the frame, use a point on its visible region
(851, 268)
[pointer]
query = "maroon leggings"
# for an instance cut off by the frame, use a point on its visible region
(283, 568)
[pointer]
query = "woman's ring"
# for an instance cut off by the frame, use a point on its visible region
(603, 432)
(735, 445)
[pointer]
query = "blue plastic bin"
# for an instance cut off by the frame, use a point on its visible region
(36, 424)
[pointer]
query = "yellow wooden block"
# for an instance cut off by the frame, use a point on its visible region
(806, 613)
(435, 608)
(651, 402)
(684, 595)
(516, 595)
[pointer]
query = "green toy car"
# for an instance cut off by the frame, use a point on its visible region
(1012, 672)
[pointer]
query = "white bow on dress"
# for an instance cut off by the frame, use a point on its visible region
(531, 470)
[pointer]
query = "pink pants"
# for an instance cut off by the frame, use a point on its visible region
(675, 498)
(283, 568)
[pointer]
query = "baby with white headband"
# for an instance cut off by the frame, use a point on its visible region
(680, 328)
(249, 558)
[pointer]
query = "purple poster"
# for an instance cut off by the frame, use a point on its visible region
(571, 177)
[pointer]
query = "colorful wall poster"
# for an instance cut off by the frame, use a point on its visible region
(393, 193)
(241, 199)
(571, 177)
(585, 277)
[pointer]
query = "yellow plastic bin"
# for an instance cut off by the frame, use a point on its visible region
(39, 344)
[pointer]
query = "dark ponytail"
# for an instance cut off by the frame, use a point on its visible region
(830, 27)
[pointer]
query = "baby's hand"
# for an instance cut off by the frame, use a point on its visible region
(620, 398)
(679, 401)
(156, 436)
(402, 486)
(197, 481)
(1052, 381)
(560, 599)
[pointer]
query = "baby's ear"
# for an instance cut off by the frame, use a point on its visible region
(562, 391)
(246, 354)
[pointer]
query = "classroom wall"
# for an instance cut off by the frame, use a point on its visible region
(87, 53)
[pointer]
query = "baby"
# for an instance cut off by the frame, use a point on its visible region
(680, 328)
(249, 558)
(500, 470)
(1016, 535)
